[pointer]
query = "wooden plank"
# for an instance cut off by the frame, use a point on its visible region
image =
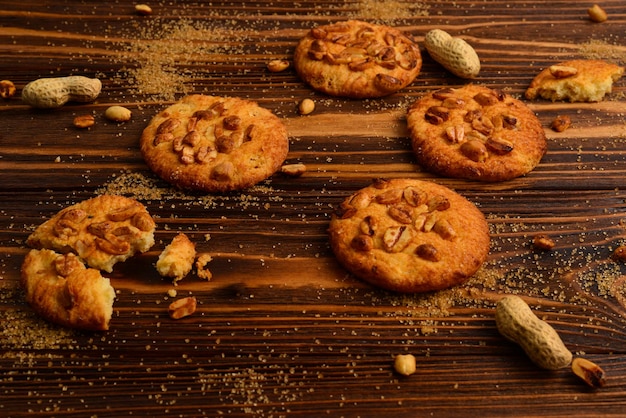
(281, 328)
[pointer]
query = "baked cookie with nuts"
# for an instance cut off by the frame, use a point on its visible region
(101, 231)
(575, 81)
(357, 59)
(409, 235)
(214, 144)
(476, 133)
(62, 290)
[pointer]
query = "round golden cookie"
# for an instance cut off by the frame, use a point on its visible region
(357, 59)
(476, 133)
(63, 291)
(214, 144)
(102, 231)
(409, 235)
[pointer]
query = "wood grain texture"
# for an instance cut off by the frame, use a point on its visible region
(282, 329)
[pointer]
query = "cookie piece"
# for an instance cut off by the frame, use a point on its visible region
(176, 260)
(357, 59)
(214, 144)
(102, 231)
(409, 235)
(476, 133)
(576, 81)
(63, 291)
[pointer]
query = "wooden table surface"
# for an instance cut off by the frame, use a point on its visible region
(281, 329)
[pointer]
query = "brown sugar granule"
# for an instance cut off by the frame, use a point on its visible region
(602, 50)
(389, 11)
(164, 56)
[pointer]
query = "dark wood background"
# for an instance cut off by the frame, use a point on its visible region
(281, 329)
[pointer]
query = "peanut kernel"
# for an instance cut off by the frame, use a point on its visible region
(405, 364)
(84, 121)
(276, 66)
(117, 114)
(7, 89)
(597, 14)
(143, 9)
(182, 307)
(306, 107)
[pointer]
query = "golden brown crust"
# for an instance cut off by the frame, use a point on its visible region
(474, 132)
(63, 291)
(102, 231)
(409, 235)
(214, 144)
(590, 81)
(357, 59)
(176, 260)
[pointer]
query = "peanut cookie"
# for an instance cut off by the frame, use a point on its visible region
(102, 231)
(214, 144)
(357, 59)
(476, 133)
(63, 291)
(576, 81)
(409, 235)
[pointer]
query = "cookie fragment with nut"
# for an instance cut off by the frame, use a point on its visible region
(102, 231)
(357, 59)
(409, 235)
(62, 290)
(583, 80)
(475, 132)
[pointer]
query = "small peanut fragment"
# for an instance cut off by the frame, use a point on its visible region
(117, 114)
(143, 9)
(276, 66)
(306, 107)
(589, 372)
(183, 307)
(561, 123)
(620, 253)
(543, 242)
(597, 14)
(48, 93)
(84, 121)
(7, 89)
(454, 54)
(405, 364)
(517, 322)
(202, 268)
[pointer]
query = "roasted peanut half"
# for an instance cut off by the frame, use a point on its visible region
(84, 121)
(182, 307)
(7, 89)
